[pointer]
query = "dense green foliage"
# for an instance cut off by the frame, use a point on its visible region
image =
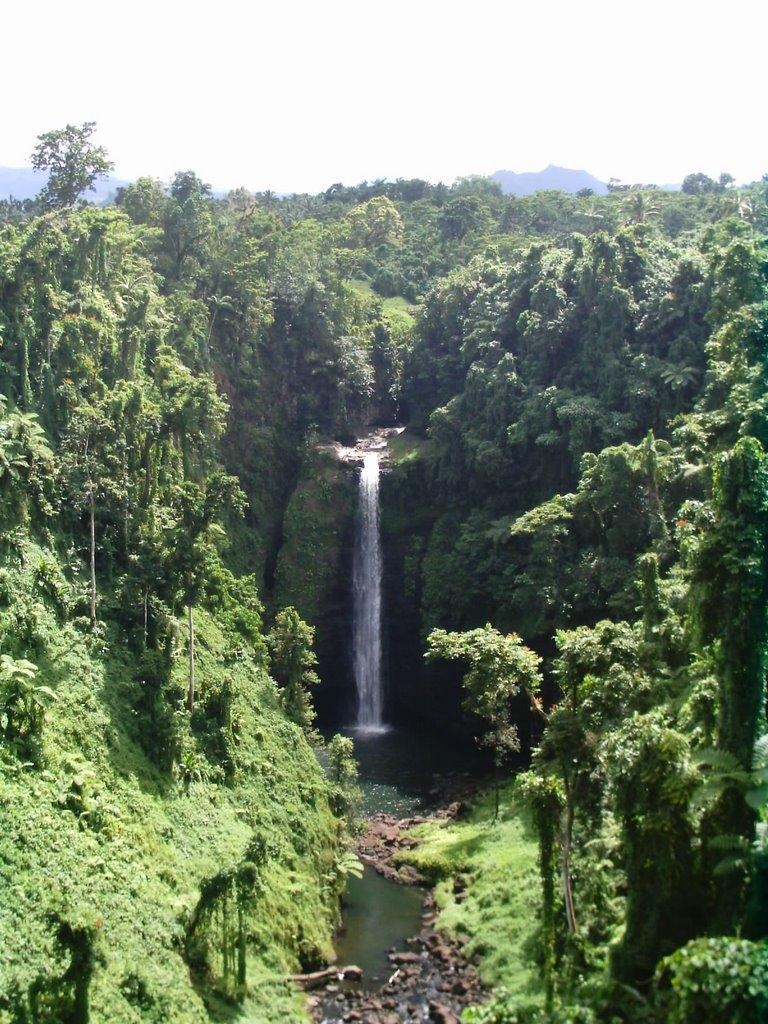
(597, 456)
(584, 381)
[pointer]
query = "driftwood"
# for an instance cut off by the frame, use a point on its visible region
(318, 978)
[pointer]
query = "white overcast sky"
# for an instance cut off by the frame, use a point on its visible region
(297, 95)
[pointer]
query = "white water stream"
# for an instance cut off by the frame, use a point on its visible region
(366, 578)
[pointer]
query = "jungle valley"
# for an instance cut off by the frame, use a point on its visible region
(567, 398)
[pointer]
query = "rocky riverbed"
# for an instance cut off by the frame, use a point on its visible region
(431, 978)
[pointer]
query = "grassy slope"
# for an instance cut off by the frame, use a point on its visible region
(396, 304)
(498, 863)
(132, 866)
(407, 447)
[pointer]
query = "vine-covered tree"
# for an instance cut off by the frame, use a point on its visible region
(72, 161)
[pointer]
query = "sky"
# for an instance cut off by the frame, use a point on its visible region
(296, 96)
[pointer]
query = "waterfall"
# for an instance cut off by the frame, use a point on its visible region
(366, 579)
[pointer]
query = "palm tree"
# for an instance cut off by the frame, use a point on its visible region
(640, 207)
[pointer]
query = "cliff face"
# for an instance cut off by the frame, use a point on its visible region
(314, 574)
(429, 695)
(314, 570)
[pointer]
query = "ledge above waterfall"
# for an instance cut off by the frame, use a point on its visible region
(376, 441)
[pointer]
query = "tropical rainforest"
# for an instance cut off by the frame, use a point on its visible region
(575, 527)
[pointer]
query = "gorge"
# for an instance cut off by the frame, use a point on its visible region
(216, 606)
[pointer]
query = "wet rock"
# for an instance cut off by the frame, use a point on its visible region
(441, 1013)
(408, 875)
(405, 958)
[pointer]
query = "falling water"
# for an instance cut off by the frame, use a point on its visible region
(366, 645)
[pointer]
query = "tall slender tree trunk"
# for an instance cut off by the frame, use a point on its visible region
(241, 947)
(570, 909)
(92, 523)
(191, 690)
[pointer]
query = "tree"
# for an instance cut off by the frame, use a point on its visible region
(500, 667)
(652, 780)
(701, 184)
(187, 223)
(730, 588)
(26, 463)
(90, 473)
(376, 222)
(192, 556)
(72, 161)
(293, 661)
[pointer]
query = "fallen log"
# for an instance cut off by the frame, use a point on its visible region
(318, 978)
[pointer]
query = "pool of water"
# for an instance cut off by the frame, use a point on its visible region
(400, 771)
(400, 774)
(377, 915)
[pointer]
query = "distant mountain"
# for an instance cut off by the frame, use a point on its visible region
(24, 183)
(561, 178)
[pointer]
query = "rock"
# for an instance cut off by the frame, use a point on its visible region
(441, 1013)
(405, 958)
(408, 875)
(318, 978)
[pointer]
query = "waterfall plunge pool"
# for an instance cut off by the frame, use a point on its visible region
(400, 774)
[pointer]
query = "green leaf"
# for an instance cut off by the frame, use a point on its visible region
(757, 798)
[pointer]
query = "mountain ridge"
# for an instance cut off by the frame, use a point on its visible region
(552, 177)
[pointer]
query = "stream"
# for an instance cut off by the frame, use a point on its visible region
(404, 980)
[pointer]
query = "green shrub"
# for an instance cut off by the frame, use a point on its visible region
(714, 981)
